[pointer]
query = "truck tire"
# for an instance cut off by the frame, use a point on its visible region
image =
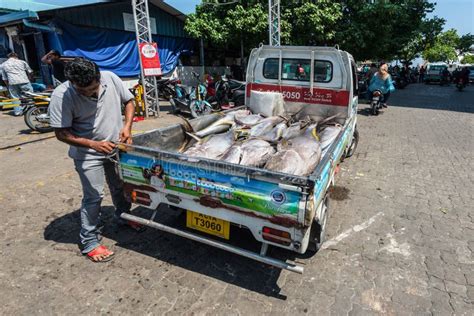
(353, 146)
(318, 229)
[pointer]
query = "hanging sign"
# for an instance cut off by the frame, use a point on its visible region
(150, 59)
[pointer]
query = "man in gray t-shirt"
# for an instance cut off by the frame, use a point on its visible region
(85, 113)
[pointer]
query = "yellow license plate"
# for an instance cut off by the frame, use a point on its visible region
(208, 224)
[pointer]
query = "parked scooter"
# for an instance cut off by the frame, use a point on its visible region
(166, 88)
(376, 102)
(229, 92)
(193, 101)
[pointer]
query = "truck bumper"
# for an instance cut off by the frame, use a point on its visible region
(239, 251)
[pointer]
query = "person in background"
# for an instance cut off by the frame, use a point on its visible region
(445, 74)
(16, 74)
(371, 72)
(85, 112)
(53, 58)
(465, 72)
(422, 74)
(382, 81)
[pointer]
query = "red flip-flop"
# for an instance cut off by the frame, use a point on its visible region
(100, 250)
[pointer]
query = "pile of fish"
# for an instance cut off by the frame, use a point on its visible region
(275, 143)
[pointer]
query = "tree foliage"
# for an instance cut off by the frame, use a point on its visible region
(423, 38)
(443, 48)
(384, 29)
(468, 59)
(381, 30)
(465, 43)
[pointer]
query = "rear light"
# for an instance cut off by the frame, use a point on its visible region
(178, 81)
(276, 236)
(140, 198)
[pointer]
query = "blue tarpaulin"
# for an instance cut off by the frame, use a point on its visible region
(115, 51)
(17, 16)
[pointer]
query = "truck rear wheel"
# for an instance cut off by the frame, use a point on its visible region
(318, 229)
(353, 146)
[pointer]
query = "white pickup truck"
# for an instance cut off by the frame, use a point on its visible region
(279, 209)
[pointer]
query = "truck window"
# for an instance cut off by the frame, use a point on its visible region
(298, 69)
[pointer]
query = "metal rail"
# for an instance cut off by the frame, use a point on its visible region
(274, 22)
(143, 33)
(239, 251)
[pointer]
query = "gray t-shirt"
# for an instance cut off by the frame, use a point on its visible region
(97, 119)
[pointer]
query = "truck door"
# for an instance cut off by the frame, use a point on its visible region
(355, 87)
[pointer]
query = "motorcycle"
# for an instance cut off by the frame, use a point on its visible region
(460, 85)
(229, 92)
(376, 102)
(166, 88)
(400, 81)
(191, 99)
(35, 112)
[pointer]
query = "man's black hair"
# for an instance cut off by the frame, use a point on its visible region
(55, 53)
(82, 72)
(373, 65)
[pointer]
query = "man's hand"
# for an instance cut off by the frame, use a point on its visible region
(104, 147)
(126, 135)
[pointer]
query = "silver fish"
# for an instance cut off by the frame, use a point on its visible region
(248, 120)
(328, 135)
(233, 154)
(287, 161)
(293, 130)
(221, 125)
(307, 147)
(212, 147)
(255, 152)
(276, 133)
(265, 126)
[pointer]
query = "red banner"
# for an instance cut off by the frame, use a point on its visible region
(150, 59)
(304, 94)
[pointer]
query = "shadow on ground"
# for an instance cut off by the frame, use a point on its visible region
(447, 98)
(187, 254)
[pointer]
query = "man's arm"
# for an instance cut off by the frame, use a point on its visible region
(126, 132)
(46, 59)
(65, 135)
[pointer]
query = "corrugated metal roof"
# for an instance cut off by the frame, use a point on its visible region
(44, 5)
(110, 16)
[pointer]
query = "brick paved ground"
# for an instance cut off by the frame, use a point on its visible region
(401, 232)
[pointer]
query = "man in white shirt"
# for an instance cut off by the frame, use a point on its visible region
(15, 74)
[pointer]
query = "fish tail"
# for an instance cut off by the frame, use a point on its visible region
(199, 139)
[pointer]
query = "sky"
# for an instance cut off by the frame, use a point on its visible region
(459, 14)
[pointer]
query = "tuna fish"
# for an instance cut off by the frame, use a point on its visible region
(248, 120)
(287, 161)
(256, 152)
(212, 147)
(306, 146)
(265, 126)
(276, 133)
(221, 125)
(328, 135)
(292, 131)
(233, 154)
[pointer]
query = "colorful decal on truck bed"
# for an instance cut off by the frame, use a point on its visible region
(252, 194)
